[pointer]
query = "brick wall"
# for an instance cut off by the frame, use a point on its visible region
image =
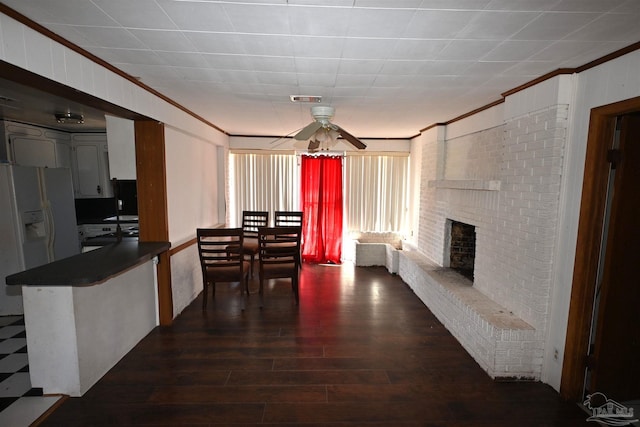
(515, 221)
(430, 236)
(519, 266)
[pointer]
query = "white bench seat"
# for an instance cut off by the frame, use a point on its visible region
(378, 249)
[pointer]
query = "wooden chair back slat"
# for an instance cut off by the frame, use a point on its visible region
(252, 220)
(288, 218)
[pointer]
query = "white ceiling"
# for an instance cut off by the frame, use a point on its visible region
(389, 67)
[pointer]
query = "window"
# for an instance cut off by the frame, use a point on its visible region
(375, 192)
(262, 182)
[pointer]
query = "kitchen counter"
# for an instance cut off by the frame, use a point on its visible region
(85, 312)
(91, 267)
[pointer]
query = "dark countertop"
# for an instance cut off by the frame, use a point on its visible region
(106, 240)
(91, 267)
(104, 221)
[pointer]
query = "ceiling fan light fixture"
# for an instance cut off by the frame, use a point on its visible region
(305, 98)
(66, 118)
(320, 135)
(325, 138)
(322, 128)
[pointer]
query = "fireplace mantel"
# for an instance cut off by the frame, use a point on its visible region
(466, 184)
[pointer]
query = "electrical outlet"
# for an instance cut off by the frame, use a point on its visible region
(555, 354)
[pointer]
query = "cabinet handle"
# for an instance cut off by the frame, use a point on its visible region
(99, 190)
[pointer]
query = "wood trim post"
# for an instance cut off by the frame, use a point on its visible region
(151, 174)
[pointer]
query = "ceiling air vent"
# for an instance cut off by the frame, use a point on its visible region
(305, 98)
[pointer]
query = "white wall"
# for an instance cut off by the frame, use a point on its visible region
(190, 143)
(192, 175)
(193, 199)
(185, 271)
(485, 119)
(610, 82)
(569, 98)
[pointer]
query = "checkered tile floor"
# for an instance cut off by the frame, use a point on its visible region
(20, 404)
(14, 365)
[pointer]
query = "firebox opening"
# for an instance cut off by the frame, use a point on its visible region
(463, 248)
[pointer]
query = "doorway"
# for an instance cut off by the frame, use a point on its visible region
(603, 336)
(615, 340)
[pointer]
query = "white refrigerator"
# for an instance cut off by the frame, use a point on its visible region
(37, 224)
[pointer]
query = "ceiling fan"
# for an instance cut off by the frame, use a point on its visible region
(321, 132)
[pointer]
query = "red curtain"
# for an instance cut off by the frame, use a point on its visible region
(321, 198)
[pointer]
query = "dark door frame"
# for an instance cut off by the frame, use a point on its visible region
(592, 215)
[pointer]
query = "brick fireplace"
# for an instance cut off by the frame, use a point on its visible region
(503, 182)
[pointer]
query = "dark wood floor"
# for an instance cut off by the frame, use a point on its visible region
(360, 350)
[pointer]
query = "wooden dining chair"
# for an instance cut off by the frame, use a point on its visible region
(279, 249)
(290, 219)
(251, 221)
(219, 264)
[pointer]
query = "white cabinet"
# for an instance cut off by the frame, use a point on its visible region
(63, 154)
(29, 145)
(26, 151)
(90, 165)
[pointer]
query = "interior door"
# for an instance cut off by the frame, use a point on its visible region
(616, 371)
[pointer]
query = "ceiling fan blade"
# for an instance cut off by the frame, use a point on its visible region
(308, 131)
(314, 144)
(352, 139)
(282, 139)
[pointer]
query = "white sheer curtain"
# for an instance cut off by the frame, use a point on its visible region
(376, 188)
(262, 182)
(376, 192)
